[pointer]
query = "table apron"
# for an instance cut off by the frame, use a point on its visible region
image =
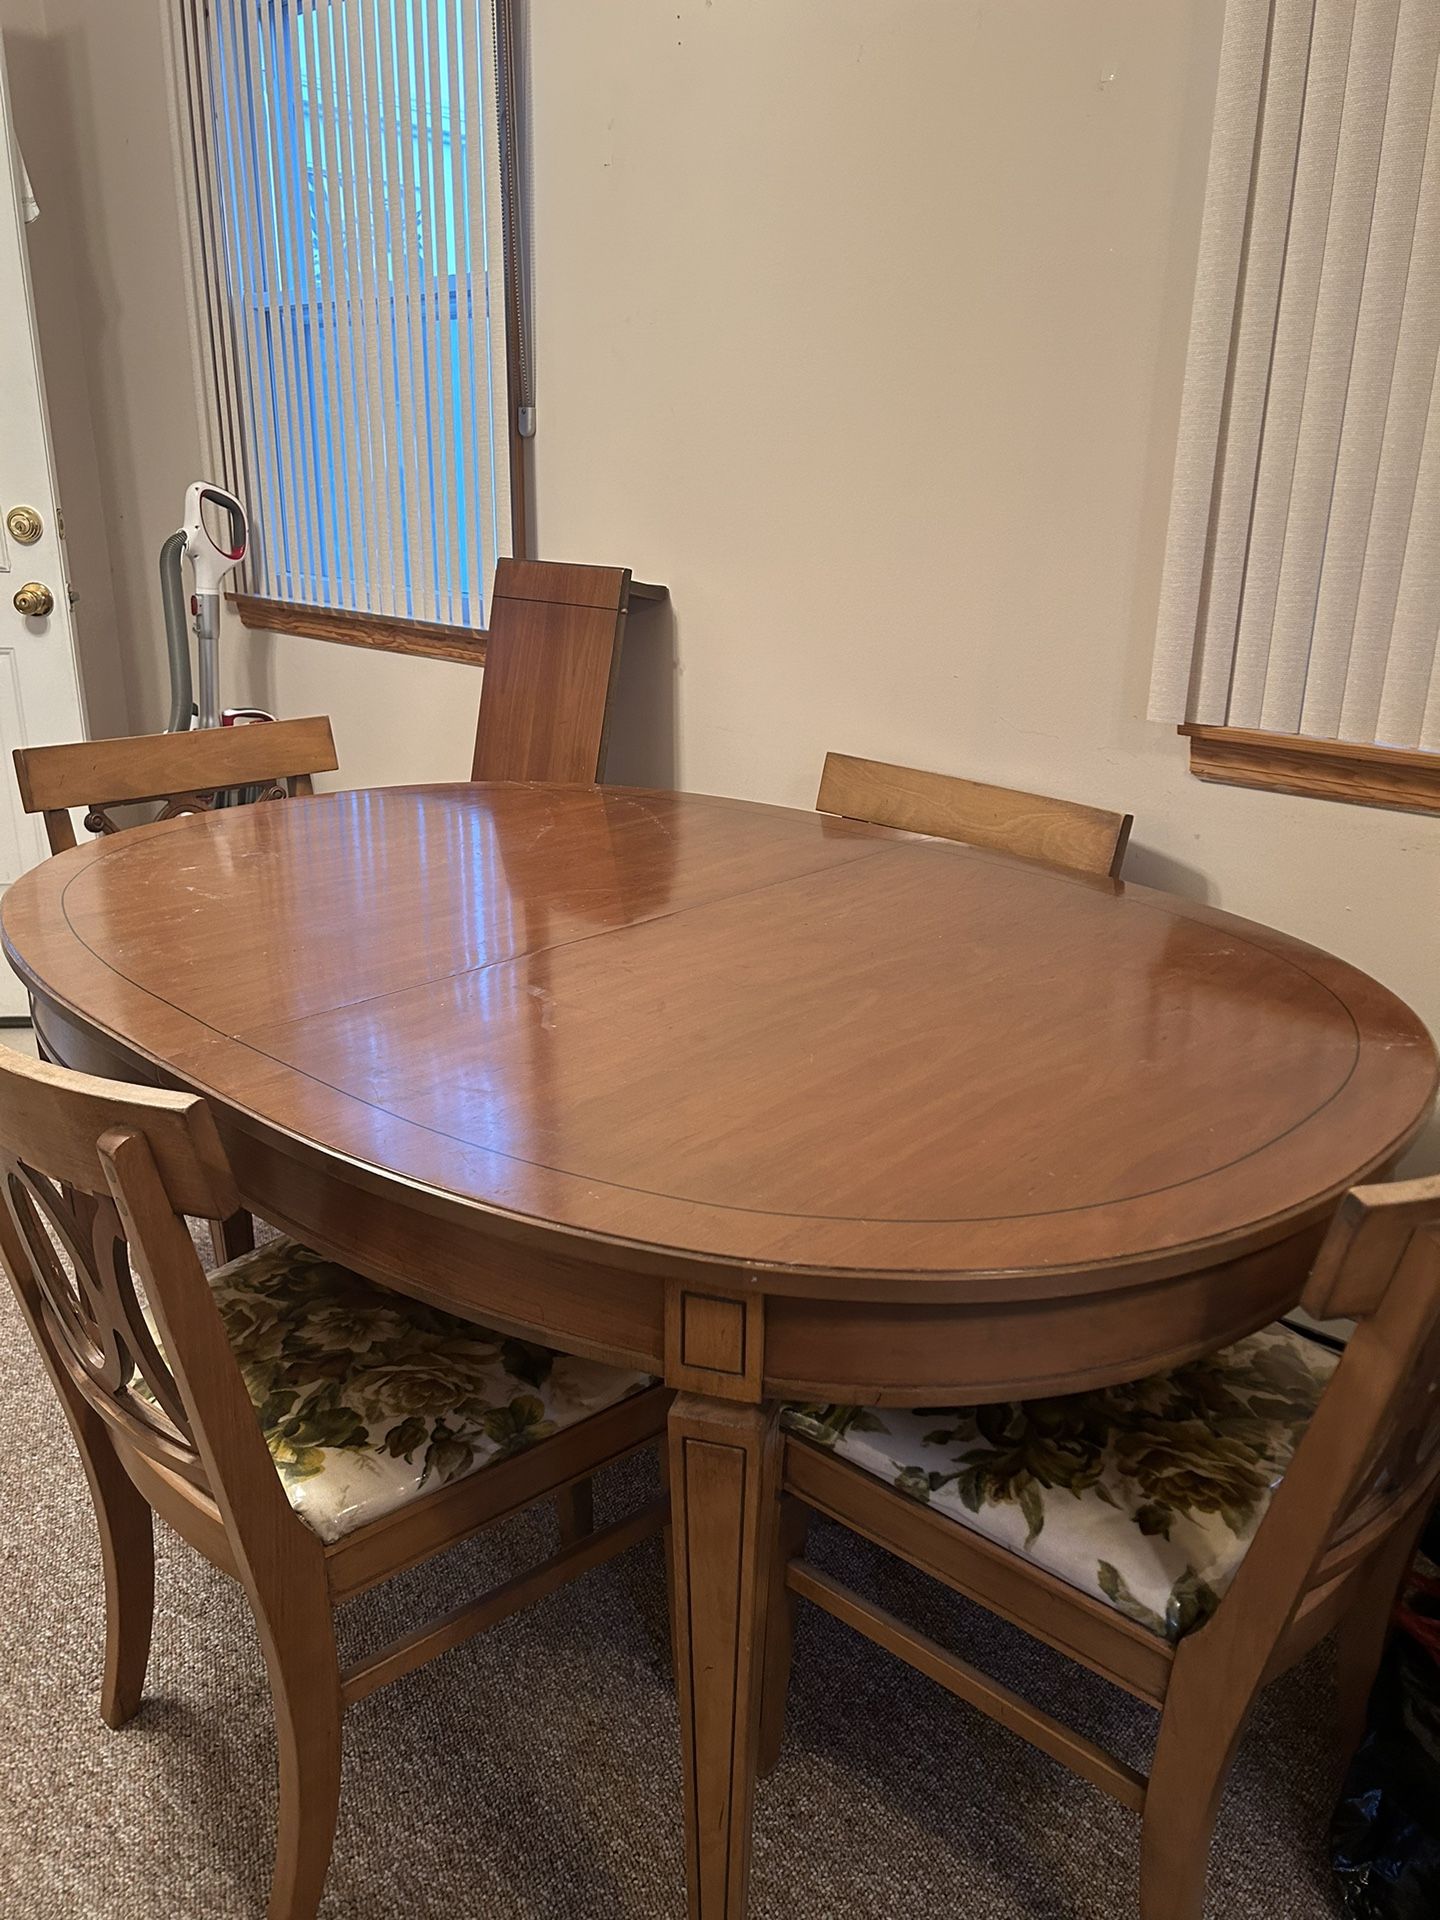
(887, 1353)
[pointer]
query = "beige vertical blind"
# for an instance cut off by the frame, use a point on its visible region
(340, 161)
(1301, 590)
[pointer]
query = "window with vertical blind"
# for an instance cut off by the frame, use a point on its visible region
(341, 167)
(1301, 592)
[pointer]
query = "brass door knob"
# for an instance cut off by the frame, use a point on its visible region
(25, 525)
(34, 600)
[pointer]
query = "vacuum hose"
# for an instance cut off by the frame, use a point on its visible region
(177, 636)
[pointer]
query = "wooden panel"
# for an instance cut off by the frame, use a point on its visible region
(714, 1345)
(560, 583)
(1390, 777)
(421, 638)
(552, 660)
(152, 766)
(1032, 825)
(900, 1354)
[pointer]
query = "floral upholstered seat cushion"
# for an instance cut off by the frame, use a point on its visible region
(367, 1398)
(1144, 1495)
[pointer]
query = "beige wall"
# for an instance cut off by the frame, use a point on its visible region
(861, 324)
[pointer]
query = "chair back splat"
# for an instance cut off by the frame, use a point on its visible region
(552, 655)
(104, 1176)
(1061, 833)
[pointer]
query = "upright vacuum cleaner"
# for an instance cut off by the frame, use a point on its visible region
(210, 562)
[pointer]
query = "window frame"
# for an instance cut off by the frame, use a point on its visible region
(360, 626)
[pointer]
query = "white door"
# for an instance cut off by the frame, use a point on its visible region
(40, 697)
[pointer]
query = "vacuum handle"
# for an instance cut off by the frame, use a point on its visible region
(209, 561)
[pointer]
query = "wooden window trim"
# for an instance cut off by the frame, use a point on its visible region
(419, 637)
(1393, 777)
(383, 631)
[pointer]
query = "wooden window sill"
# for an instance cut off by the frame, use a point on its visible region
(1393, 777)
(419, 637)
(391, 635)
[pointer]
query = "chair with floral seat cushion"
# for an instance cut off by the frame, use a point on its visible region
(1189, 1536)
(367, 1399)
(309, 1432)
(1145, 1495)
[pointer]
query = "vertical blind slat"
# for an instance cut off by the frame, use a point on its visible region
(1411, 654)
(1294, 334)
(204, 309)
(405, 294)
(342, 212)
(267, 312)
(272, 534)
(1332, 352)
(379, 300)
(330, 321)
(441, 281)
(229, 365)
(1222, 242)
(298, 291)
(463, 416)
(1396, 271)
(338, 170)
(434, 277)
(178, 27)
(1254, 346)
(486, 192)
(1307, 597)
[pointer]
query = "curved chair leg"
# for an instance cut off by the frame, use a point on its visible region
(127, 1553)
(1200, 1729)
(122, 1516)
(299, 1644)
(1360, 1639)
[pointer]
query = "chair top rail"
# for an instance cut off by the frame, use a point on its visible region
(1036, 826)
(154, 766)
(52, 1120)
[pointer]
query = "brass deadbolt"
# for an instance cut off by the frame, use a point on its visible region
(25, 525)
(34, 600)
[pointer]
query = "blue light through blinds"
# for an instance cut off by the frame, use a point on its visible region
(343, 168)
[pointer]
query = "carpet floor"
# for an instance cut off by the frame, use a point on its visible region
(533, 1775)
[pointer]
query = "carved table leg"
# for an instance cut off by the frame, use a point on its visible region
(724, 1465)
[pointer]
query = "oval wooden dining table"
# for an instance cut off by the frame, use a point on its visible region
(779, 1105)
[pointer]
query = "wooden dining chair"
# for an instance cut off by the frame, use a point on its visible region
(310, 1433)
(552, 656)
(183, 770)
(183, 773)
(1188, 1537)
(1062, 833)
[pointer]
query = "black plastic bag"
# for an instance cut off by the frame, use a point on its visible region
(1385, 1840)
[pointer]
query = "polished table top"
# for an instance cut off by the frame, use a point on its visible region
(773, 1042)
